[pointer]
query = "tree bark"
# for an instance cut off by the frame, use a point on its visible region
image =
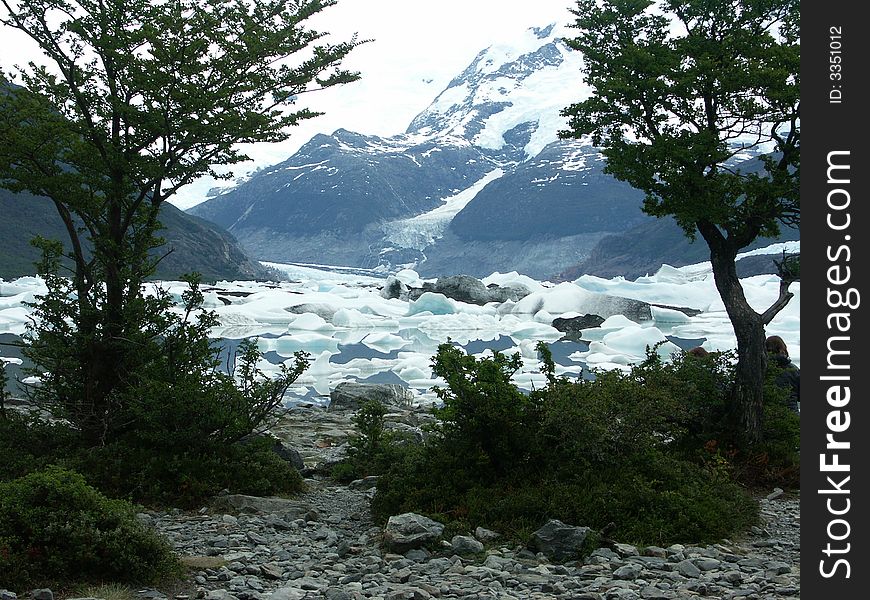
(748, 392)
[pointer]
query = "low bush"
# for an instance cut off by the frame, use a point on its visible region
(55, 529)
(187, 479)
(625, 449)
(372, 449)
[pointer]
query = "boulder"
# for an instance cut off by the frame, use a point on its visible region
(577, 324)
(463, 288)
(465, 544)
(558, 541)
(409, 530)
(351, 395)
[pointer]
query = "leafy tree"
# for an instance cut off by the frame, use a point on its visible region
(680, 90)
(142, 98)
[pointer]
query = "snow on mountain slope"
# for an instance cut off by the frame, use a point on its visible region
(507, 90)
(422, 230)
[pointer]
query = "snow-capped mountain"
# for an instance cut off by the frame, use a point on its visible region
(479, 181)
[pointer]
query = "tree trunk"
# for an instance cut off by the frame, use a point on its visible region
(752, 358)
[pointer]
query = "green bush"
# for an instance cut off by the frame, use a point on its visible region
(625, 448)
(55, 530)
(172, 434)
(372, 449)
(187, 479)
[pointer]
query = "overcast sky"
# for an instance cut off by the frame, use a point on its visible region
(418, 47)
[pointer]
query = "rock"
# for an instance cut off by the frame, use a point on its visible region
(687, 568)
(558, 541)
(575, 325)
(628, 572)
(394, 289)
(624, 550)
(463, 288)
(7, 595)
(42, 594)
(366, 483)
(485, 535)
(776, 493)
(220, 595)
(408, 531)
(351, 395)
(465, 544)
(292, 509)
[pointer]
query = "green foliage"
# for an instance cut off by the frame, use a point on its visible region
(187, 478)
(373, 449)
(54, 528)
(171, 437)
(625, 448)
(680, 89)
(110, 140)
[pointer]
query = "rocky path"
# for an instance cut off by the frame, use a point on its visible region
(324, 545)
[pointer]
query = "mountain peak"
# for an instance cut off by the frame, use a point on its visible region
(507, 90)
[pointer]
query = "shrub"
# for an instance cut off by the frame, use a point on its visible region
(613, 450)
(172, 432)
(186, 479)
(372, 449)
(55, 529)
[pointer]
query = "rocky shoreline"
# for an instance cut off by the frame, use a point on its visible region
(323, 544)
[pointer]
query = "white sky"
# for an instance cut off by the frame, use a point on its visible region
(418, 47)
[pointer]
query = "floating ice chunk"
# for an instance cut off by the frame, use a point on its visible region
(569, 297)
(350, 317)
(617, 322)
(311, 322)
(535, 331)
(14, 320)
(310, 342)
(513, 278)
(384, 342)
(321, 365)
(635, 340)
(543, 316)
(436, 304)
(669, 274)
(409, 277)
(668, 315)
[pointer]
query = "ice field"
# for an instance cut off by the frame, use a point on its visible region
(353, 332)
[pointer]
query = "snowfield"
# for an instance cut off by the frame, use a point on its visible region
(352, 331)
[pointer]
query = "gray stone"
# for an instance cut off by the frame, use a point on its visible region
(219, 595)
(463, 288)
(351, 395)
(687, 568)
(408, 531)
(558, 541)
(7, 595)
(628, 572)
(42, 594)
(485, 535)
(465, 544)
(366, 483)
(574, 325)
(271, 570)
(708, 564)
(732, 576)
(776, 493)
